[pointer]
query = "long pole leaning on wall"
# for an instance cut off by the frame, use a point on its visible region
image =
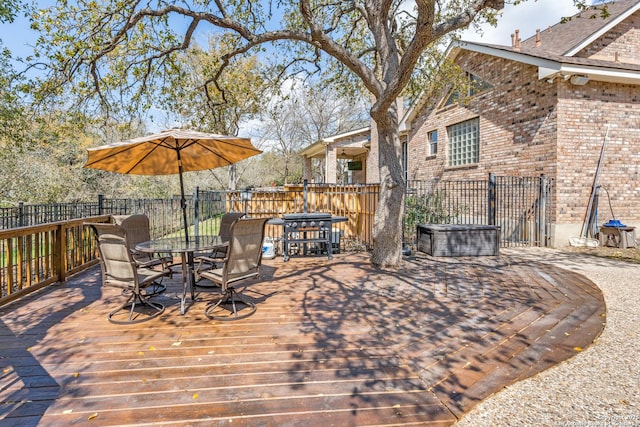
(542, 211)
(588, 218)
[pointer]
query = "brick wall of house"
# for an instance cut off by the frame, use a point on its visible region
(519, 136)
(517, 125)
(584, 112)
(623, 40)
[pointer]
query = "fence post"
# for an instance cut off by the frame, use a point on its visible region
(196, 202)
(60, 252)
(100, 204)
(304, 197)
(542, 211)
(491, 201)
(21, 214)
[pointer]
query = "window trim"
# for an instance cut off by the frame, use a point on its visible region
(432, 143)
(463, 141)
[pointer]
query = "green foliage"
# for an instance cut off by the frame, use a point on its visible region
(425, 209)
(9, 9)
(117, 56)
(204, 100)
(13, 119)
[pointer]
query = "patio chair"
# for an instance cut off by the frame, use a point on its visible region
(242, 261)
(208, 260)
(137, 228)
(120, 270)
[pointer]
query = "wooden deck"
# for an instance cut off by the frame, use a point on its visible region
(333, 343)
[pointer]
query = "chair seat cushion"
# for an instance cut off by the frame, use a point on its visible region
(152, 262)
(146, 276)
(215, 275)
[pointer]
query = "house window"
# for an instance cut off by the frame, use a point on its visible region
(433, 142)
(464, 142)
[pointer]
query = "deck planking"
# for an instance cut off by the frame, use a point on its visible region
(333, 343)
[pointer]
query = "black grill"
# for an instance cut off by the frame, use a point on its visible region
(311, 230)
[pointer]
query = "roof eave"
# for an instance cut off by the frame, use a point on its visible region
(313, 150)
(346, 134)
(548, 68)
(317, 149)
(511, 55)
(603, 74)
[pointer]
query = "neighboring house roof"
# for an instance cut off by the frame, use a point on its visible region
(553, 50)
(317, 148)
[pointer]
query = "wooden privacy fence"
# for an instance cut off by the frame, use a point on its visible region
(519, 205)
(355, 202)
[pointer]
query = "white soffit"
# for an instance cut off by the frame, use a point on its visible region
(594, 73)
(548, 67)
(508, 54)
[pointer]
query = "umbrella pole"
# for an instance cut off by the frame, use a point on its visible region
(183, 201)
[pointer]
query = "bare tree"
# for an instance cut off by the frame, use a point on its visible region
(302, 116)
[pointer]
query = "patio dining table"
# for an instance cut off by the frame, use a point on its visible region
(178, 245)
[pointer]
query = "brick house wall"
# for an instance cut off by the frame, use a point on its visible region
(530, 127)
(517, 125)
(584, 114)
(623, 41)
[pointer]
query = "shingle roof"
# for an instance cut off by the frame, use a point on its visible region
(561, 38)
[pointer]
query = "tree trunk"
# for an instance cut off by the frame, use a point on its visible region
(233, 177)
(387, 225)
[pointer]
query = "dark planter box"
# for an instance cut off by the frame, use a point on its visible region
(458, 240)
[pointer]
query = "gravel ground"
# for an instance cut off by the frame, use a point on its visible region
(598, 387)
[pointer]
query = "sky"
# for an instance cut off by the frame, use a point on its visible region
(526, 17)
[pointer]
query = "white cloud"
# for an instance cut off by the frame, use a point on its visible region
(526, 17)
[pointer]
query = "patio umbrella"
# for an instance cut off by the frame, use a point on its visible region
(169, 152)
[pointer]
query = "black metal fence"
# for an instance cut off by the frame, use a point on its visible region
(24, 215)
(519, 205)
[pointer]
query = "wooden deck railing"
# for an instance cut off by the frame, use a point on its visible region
(36, 256)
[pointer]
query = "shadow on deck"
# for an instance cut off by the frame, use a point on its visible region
(333, 343)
